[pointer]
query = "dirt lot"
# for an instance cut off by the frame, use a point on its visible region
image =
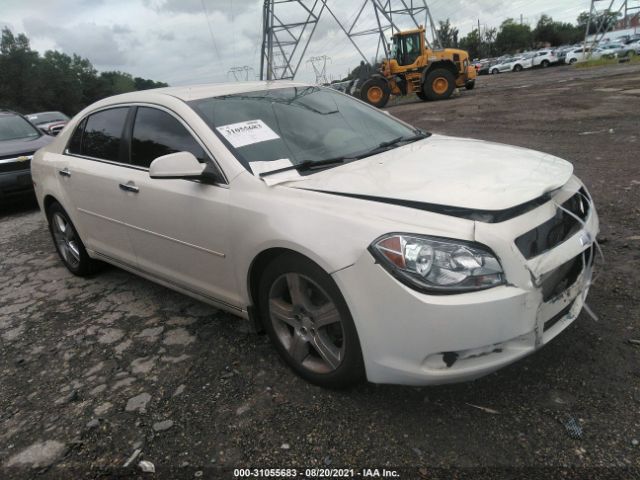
(91, 370)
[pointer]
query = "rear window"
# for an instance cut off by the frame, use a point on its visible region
(103, 134)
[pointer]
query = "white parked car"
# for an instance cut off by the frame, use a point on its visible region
(582, 54)
(544, 58)
(513, 64)
(365, 247)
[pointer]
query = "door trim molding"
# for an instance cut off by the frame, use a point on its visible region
(174, 286)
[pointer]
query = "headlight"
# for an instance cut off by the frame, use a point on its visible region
(437, 265)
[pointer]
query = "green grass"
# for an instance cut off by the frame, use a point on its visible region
(601, 62)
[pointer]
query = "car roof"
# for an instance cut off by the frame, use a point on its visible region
(42, 113)
(6, 113)
(196, 92)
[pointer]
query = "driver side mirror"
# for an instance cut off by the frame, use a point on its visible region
(183, 165)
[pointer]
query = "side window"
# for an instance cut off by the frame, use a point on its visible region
(75, 143)
(103, 134)
(156, 133)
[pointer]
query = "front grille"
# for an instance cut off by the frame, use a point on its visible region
(557, 229)
(557, 281)
(15, 166)
(16, 155)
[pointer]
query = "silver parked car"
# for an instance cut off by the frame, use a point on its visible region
(50, 123)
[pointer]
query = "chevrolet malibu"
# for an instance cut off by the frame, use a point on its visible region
(365, 247)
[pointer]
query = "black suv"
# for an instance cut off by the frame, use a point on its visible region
(19, 139)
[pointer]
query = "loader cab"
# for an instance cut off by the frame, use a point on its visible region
(407, 47)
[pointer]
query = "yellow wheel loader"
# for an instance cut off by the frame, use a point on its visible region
(414, 68)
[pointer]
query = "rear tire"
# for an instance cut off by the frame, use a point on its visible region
(545, 63)
(68, 244)
(517, 67)
(375, 91)
(309, 322)
(422, 96)
(439, 84)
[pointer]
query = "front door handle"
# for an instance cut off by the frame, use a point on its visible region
(65, 172)
(129, 187)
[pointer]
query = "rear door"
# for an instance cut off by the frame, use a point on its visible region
(179, 228)
(92, 178)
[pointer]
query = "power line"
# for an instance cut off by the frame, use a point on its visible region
(241, 74)
(213, 40)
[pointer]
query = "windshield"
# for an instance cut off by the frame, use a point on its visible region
(13, 127)
(40, 118)
(297, 123)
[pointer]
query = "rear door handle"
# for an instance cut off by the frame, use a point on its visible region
(65, 172)
(129, 187)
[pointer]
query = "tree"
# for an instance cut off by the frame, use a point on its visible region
(146, 84)
(447, 35)
(513, 37)
(556, 33)
(17, 65)
(605, 20)
(472, 43)
(55, 81)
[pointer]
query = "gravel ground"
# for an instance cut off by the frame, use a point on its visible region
(91, 371)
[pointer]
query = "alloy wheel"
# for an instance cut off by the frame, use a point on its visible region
(307, 323)
(66, 240)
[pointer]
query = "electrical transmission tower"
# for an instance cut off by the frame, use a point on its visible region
(319, 65)
(284, 24)
(241, 74)
(601, 21)
(288, 24)
(391, 16)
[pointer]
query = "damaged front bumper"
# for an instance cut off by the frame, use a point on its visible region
(413, 338)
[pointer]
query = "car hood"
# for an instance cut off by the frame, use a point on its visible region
(20, 146)
(447, 171)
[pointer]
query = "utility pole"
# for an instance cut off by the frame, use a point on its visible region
(479, 41)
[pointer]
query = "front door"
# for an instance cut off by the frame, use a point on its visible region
(179, 228)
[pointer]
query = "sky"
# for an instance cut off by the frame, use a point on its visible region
(198, 41)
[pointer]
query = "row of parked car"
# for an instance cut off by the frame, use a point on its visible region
(568, 54)
(20, 137)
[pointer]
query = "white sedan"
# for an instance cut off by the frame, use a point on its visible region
(365, 247)
(513, 64)
(582, 54)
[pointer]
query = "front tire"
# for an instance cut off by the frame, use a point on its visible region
(375, 91)
(470, 85)
(439, 84)
(68, 243)
(545, 63)
(309, 322)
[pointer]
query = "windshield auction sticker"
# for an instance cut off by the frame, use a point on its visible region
(246, 133)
